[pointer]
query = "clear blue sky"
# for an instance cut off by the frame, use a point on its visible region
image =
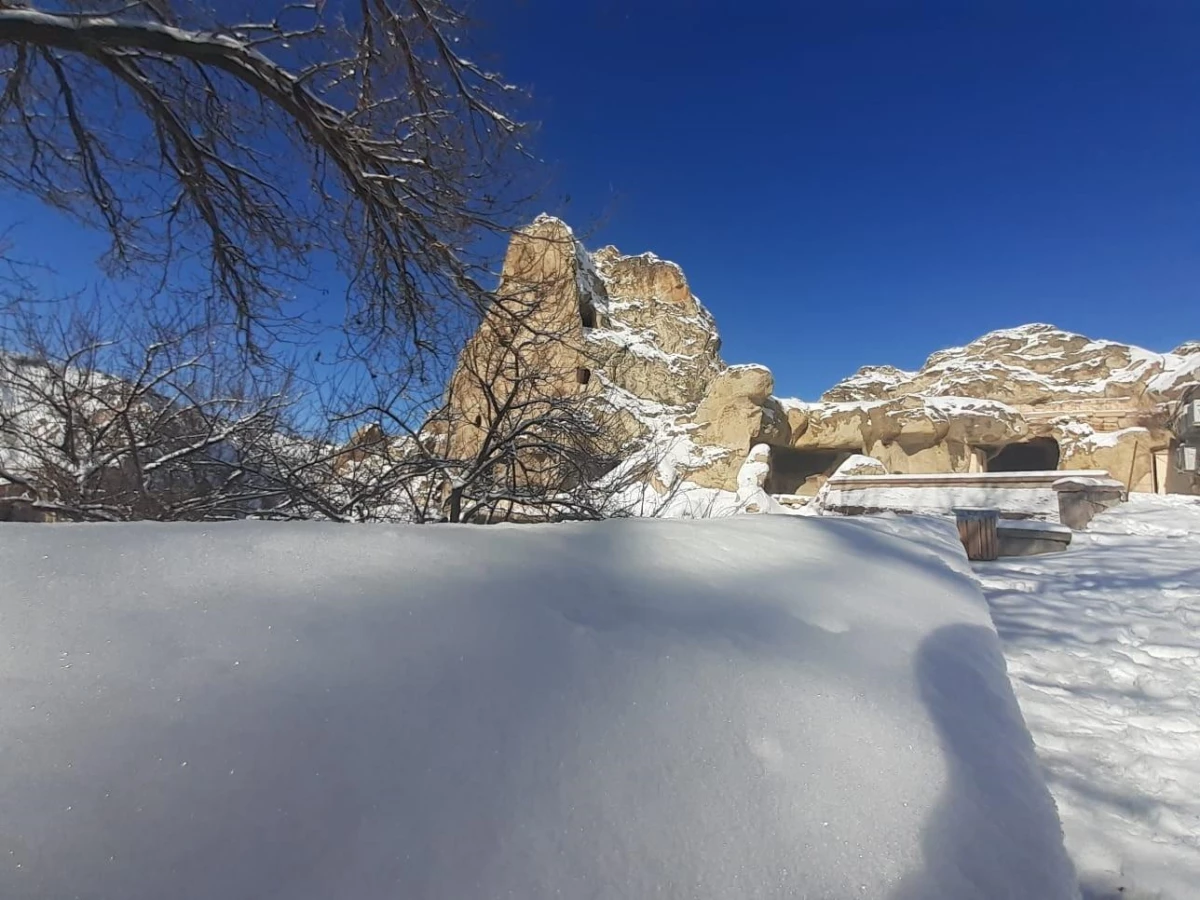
(848, 182)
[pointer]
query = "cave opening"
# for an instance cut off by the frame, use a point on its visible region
(802, 471)
(1035, 455)
(587, 312)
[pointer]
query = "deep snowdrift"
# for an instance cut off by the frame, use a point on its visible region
(758, 707)
(1103, 644)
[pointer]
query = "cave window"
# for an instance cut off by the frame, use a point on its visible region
(479, 421)
(1037, 455)
(582, 375)
(587, 313)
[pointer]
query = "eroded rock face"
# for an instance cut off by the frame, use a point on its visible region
(624, 333)
(536, 324)
(631, 319)
(900, 428)
(659, 342)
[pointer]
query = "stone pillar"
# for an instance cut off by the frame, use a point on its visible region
(1082, 499)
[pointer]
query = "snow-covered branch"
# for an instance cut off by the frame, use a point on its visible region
(367, 137)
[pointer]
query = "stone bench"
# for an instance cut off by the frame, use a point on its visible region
(1029, 537)
(1017, 495)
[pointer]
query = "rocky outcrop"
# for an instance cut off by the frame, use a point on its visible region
(1085, 403)
(603, 320)
(1031, 365)
(632, 335)
(730, 416)
(658, 342)
(365, 442)
(624, 334)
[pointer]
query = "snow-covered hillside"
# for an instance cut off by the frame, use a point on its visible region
(753, 708)
(1103, 646)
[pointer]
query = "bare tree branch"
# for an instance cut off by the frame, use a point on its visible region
(268, 145)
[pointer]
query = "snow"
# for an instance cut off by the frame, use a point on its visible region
(954, 406)
(1103, 647)
(1093, 440)
(793, 403)
(755, 470)
(858, 463)
(1026, 494)
(671, 453)
(668, 449)
(936, 407)
(1049, 476)
(747, 367)
(874, 379)
(640, 342)
(755, 707)
(1087, 481)
(1010, 357)
(933, 500)
(1032, 525)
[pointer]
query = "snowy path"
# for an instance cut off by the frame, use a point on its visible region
(1103, 648)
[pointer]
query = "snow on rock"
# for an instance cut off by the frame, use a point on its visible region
(754, 471)
(873, 381)
(1103, 647)
(658, 339)
(752, 482)
(755, 707)
(668, 453)
(935, 495)
(858, 464)
(1092, 440)
(1029, 364)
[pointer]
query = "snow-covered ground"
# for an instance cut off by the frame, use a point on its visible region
(1103, 648)
(758, 707)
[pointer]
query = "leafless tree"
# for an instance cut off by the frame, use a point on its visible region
(105, 419)
(536, 444)
(106, 423)
(235, 157)
(520, 432)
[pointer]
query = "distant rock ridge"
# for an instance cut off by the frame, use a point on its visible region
(1085, 403)
(1029, 365)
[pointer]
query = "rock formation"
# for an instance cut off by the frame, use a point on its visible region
(1016, 399)
(627, 333)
